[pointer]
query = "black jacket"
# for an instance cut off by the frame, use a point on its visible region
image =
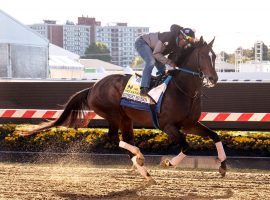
(163, 43)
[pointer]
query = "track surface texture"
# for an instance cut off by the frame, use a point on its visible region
(58, 181)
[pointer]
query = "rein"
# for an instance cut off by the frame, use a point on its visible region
(199, 74)
(185, 70)
(184, 92)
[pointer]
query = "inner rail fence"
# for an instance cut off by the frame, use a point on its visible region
(216, 120)
(205, 116)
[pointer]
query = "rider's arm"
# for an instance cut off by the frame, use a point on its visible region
(158, 54)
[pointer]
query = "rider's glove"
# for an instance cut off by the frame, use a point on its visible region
(172, 66)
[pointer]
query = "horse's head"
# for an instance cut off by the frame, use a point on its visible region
(202, 60)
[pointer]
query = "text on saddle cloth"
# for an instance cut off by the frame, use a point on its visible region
(132, 91)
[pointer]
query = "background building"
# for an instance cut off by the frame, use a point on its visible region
(90, 21)
(221, 65)
(258, 63)
(23, 52)
(120, 40)
(118, 37)
(238, 58)
(50, 30)
(75, 38)
(258, 46)
(260, 51)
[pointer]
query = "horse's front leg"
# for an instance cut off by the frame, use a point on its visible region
(137, 159)
(134, 152)
(201, 130)
(177, 137)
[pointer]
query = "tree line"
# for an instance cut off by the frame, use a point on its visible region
(99, 50)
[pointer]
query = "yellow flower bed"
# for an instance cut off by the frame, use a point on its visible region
(147, 139)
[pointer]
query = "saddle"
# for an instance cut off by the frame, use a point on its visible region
(156, 80)
(152, 102)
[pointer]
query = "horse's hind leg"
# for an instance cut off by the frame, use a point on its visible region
(179, 138)
(113, 132)
(134, 152)
(201, 130)
(126, 127)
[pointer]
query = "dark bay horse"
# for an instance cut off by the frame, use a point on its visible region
(180, 109)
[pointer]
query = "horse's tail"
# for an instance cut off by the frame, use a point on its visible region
(74, 111)
(72, 116)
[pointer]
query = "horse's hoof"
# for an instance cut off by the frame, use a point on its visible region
(132, 170)
(151, 181)
(222, 171)
(165, 163)
(223, 168)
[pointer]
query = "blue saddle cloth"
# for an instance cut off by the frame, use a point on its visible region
(135, 104)
(153, 108)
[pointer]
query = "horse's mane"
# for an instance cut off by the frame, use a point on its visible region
(179, 56)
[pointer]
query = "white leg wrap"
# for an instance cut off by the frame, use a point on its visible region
(221, 152)
(177, 159)
(142, 170)
(131, 148)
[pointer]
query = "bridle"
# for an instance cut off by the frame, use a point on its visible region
(203, 78)
(196, 93)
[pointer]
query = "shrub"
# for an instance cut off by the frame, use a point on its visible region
(149, 140)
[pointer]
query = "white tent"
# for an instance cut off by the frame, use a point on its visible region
(64, 67)
(95, 64)
(64, 64)
(23, 52)
(14, 32)
(96, 69)
(58, 51)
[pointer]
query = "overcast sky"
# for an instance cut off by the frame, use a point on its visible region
(234, 23)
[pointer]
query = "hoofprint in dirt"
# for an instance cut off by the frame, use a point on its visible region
(37, 181)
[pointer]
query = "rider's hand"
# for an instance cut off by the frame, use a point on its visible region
(173, 65)
(170, 67)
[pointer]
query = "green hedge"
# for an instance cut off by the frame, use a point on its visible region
(149, 140)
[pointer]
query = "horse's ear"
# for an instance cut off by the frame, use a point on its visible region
(200, 42)
(201, 39)
(211, 43)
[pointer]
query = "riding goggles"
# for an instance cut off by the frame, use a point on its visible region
(189, 39)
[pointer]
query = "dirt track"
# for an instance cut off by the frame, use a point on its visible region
(35, 181)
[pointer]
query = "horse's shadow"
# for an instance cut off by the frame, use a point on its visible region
(132, 194)
(124, 194)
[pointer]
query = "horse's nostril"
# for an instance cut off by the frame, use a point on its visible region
(213, 79)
